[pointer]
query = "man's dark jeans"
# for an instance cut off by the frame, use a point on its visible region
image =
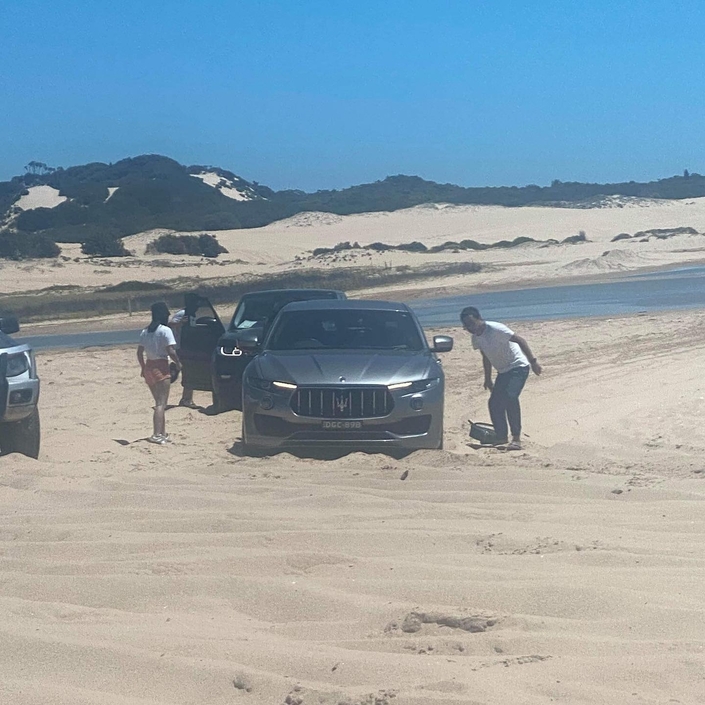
(504, 401)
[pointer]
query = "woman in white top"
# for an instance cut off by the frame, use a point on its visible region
(157, 345)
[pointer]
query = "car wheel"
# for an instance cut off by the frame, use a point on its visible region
(249, 449)
(226, 402)
(237, 398)
(21, 436)
(253, 451)
(217, 403)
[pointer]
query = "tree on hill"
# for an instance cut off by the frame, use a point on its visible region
(17, 246)
(39, 168)
(154, 191)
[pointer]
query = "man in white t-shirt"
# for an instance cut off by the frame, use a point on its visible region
(511, 356)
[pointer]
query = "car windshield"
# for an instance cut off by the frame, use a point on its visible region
(345, 329)
(255, 311)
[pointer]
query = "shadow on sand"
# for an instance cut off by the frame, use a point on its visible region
(313, 453)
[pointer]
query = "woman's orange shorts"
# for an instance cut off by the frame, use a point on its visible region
(156, 371)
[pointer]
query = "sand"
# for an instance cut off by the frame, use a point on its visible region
(224, 185)
(39, 197)
(569, 572)
(287, 245)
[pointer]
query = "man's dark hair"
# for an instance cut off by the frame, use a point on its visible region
(470, 311)
(192, 301)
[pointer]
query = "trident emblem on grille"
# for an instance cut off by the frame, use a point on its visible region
(341, 402)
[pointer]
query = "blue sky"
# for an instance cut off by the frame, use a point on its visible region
(308, 94)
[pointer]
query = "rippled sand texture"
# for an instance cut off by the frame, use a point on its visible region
(570, 572)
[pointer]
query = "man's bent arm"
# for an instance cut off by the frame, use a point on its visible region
(527, 351)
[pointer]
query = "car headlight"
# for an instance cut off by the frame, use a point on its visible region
(267, 386)
(420, 385)
(17, 364)
(229, 350)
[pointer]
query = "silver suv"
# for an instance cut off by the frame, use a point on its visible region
(19, 394)
(351, 375)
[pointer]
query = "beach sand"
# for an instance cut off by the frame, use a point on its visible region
(276, 247)
(188, 574)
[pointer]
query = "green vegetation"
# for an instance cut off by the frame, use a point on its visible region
(397, 192)
(197, 245)
(153, 191)
(448, 246)
(19, 246)
(56, 303)
(657, 233)
(136, 286)
(102, 244)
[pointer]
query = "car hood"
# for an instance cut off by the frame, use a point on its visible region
(232, 336)
(356, 367)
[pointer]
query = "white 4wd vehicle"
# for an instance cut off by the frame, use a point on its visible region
(19, 394)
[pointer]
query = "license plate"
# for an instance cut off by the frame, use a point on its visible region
(342, 425)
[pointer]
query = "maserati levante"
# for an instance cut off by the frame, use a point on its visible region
(344, 374)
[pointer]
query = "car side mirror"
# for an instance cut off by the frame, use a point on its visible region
(249, 341)
(9, 325)
(442, 343)
(207, 321)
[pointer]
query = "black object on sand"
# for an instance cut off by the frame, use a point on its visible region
(483, 432)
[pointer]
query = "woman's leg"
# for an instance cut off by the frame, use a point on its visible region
(160, 392)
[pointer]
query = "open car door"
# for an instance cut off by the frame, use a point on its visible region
(197, 336)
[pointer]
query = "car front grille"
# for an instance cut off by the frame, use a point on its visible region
(342, 402)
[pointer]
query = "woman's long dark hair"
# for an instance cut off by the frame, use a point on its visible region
(160, 316)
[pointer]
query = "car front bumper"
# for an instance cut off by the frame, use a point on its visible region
(405, 428)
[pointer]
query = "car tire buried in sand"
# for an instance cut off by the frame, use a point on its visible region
(226, 401)
(217, 404)
(248, 449)
(21, 436)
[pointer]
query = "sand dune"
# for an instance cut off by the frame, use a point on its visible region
(288, 245)
(39, 197)
(571, 571)
(610, 260)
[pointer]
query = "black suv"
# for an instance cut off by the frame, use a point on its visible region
(213, 362)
